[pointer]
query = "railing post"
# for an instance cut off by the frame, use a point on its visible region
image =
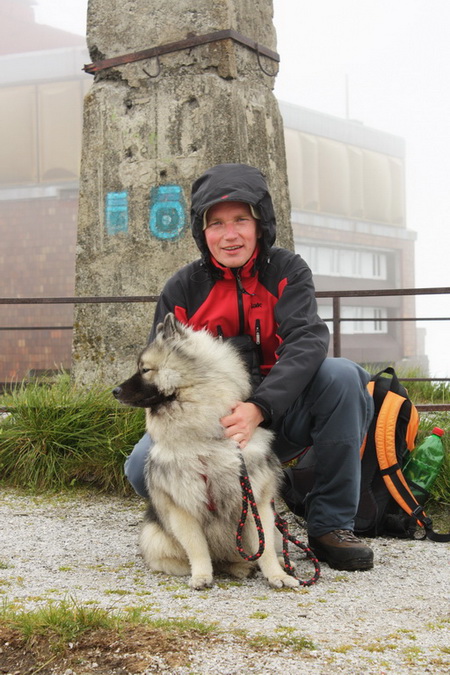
(336, 326)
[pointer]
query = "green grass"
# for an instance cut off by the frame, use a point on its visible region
(419, 392)
(427, 392)
(59, 435)
(61, 622)
(64, 622)
(280, 642)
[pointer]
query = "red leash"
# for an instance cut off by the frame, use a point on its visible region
(248, 499)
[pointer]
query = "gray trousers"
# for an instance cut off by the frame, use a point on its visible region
(333, 415)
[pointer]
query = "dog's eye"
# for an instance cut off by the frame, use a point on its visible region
(146, 370)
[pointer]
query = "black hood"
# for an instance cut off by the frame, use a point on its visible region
(233, 183)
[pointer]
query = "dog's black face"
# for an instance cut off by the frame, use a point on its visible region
(163, 371)
(138, 393)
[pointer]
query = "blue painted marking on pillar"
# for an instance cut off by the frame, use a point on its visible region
(167, 212)
(116, 212)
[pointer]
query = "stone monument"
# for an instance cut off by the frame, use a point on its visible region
(179, 86)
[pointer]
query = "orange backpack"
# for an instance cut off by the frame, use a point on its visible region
(387, 506)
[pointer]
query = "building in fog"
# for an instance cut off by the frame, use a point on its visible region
(346, 183)
(41, 110)
(347, 188)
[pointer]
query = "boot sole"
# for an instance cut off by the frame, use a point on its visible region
(349, 565)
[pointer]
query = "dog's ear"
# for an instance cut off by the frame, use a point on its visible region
(170, 328)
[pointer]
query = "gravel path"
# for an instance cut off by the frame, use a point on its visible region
(392, 619)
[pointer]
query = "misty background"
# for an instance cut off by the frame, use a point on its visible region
(386, 64)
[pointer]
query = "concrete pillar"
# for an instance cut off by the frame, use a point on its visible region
(150, 128)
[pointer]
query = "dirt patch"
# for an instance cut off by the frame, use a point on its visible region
(133, 650)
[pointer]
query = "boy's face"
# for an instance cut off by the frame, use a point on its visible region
(231, 233)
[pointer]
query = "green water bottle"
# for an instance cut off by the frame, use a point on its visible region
(424, 464)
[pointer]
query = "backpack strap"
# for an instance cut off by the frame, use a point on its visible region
(390, 468)
(370, 389)
(412, 428)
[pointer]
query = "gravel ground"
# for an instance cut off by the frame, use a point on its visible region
(392, 619)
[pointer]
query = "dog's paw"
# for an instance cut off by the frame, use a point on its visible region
(280, 580)
(199, 581)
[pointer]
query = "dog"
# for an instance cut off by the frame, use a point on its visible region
(187, 380)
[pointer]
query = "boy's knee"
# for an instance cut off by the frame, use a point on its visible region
(342, 374)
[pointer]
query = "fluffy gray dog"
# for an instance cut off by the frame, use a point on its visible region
(187, 380)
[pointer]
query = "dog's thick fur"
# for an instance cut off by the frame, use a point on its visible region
(187, 381)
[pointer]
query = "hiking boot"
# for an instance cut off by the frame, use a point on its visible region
(342, 550)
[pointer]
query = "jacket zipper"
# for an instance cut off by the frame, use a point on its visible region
(258, 332)
(240, 291)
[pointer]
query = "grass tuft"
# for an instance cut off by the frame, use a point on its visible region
(278, 643)
(61, 435)
(68, 619)
(60, 622)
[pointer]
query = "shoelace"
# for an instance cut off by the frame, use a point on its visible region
(346, 535)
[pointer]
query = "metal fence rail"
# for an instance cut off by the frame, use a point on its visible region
(336, 297)
(337, 320)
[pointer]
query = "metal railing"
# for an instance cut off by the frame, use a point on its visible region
(337, 319)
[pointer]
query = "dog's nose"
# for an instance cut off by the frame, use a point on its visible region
(117, 392)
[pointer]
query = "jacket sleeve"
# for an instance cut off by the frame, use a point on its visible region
(172, 300)
(304, 340)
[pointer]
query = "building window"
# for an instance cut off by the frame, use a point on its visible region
(345, 262)
(363, 320)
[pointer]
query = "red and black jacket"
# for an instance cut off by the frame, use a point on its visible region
(271, 298)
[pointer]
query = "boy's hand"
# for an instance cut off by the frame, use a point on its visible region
(242, 422)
